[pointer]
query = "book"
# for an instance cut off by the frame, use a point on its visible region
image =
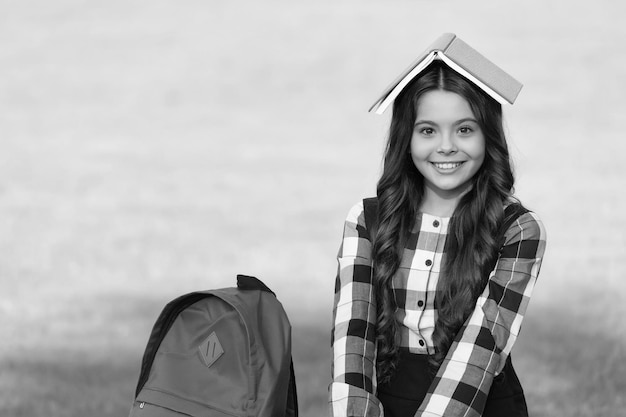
(463, 59)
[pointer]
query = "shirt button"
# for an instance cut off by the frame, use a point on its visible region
(428, 262)
(436, 223)
(421, 342)
(420, 303)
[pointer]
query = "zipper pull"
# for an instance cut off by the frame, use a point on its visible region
(141, 404)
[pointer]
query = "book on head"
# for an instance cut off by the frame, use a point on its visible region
(463, 59)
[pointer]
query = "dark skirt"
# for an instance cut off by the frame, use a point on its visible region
(406, 390)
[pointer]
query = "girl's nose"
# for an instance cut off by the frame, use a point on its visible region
(447, 145)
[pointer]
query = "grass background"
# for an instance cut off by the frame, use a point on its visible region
(150, 148)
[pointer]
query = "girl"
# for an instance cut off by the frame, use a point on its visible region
(432, 288)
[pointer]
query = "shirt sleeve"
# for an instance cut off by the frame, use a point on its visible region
(353, 388)
(481, 348)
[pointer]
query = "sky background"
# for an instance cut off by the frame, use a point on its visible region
(148, 149)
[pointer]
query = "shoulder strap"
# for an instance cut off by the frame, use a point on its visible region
(511, 213)
(370, 213)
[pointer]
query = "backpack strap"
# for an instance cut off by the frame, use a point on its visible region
(511, 213)
(370, 214)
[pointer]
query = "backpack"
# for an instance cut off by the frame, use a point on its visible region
(224, 352)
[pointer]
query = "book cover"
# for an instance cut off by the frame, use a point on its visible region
(463, 59)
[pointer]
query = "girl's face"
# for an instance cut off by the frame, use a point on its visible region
(447, 146)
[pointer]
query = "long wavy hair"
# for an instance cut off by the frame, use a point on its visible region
(471, 247)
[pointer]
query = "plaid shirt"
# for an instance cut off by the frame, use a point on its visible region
(481, 347)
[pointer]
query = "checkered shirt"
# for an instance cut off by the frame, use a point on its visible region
(481, 347)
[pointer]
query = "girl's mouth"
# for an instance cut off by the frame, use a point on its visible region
(445, 166)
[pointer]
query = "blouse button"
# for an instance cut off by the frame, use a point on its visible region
(420, 303)
(436, 223)
(429, 262)
(421, 342)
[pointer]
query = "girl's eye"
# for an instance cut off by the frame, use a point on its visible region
(465, 130)
(427, 131)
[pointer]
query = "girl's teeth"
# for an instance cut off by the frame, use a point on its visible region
(448, 165)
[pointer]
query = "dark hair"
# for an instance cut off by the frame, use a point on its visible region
(473, 227)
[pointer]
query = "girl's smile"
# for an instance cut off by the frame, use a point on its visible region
(447, 167)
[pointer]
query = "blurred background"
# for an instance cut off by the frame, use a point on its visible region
(151, 148)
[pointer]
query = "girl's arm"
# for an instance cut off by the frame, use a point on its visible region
(352, 392)
(480, 350)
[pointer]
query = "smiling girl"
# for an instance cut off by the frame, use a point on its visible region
(432, 288)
